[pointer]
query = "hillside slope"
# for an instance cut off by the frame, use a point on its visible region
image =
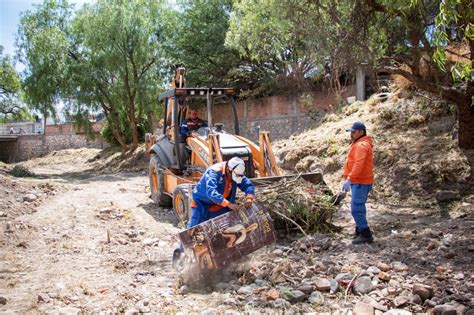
(417, 160)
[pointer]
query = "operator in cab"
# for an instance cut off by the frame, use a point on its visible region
(192, 123)
(215, 192)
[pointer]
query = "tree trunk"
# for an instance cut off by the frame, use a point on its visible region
(466, 126)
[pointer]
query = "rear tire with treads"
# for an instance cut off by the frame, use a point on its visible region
(181, 203)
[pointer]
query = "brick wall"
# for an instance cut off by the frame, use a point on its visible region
(31, 146)
(281, 116)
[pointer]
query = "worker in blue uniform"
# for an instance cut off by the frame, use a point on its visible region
(215, 192)
(193, 123)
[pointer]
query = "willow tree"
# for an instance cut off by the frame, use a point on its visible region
(116, 61)
(43, 48)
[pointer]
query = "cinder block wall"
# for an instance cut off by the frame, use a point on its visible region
(31, 146)
(281, 116)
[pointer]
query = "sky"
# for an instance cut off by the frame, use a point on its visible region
(10, 18)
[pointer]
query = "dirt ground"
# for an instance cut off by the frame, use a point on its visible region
(83, 237)
(93, 242)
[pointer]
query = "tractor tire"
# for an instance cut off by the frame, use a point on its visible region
(181, 203)
(157, 182)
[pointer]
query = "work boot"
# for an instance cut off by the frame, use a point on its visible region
(364, 237)
(356, 233)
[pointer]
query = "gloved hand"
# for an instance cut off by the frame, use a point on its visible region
(347, 185)
(248, 202)
(233, 206)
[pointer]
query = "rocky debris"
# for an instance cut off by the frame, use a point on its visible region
(384, 276)
(363, 285)
(444, 309)
(383, 266)
(3, 300)
(362, 308)
(29, 197)
(399, 301)
(447, 195)
(397, 312)
(316, 298)
(144, 306)
(44, 298)
(294, 296)
(399, 267)
(322, 284)
(414, 299)
(425, 292)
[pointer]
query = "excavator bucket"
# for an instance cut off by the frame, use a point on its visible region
(216, 243)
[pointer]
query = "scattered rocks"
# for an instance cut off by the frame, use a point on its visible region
(334, 286)
(414, 299)
(444, 309)
(3, 300)
(306, 289)
(399, 267)
(447, 195)
(245, 290)
(432, 245)
(43, 298)
(383, 266)
(316, 298)
(29, 197)
(272, 295)
(400, 301)
(395, 311)
(322, 284)
(362, 308)
(373, 270)
(363, 285)
(294, 296)
(423, 291)
(384, 276)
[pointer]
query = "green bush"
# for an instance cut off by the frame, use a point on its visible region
(108, 135)
(21, 171)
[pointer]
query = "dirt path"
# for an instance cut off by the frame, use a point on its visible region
(96, 244)
(65, 261)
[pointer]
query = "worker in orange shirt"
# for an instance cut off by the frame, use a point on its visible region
(359, 175)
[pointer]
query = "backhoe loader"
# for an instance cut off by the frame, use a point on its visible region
(177, 162)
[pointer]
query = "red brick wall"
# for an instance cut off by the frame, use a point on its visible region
(281, 115)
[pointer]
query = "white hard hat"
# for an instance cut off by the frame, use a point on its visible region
(237, 167)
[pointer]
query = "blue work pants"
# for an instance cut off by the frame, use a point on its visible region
(201, 213)
(358, 209)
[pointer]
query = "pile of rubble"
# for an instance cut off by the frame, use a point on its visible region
(318, 273)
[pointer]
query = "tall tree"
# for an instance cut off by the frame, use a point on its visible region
(195, 37)
(43, 47)
(11, 105)
(115, 62)
(433, 27)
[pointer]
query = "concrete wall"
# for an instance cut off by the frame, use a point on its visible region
(281, 116)
(31, 146)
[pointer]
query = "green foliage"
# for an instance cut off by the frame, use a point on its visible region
(11, 106)
(43, 47)
(107, 132)
(457, 15)
(195, 36)
(21, 171)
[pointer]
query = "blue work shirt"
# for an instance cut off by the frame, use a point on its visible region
(192, 124)
(214, 192)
